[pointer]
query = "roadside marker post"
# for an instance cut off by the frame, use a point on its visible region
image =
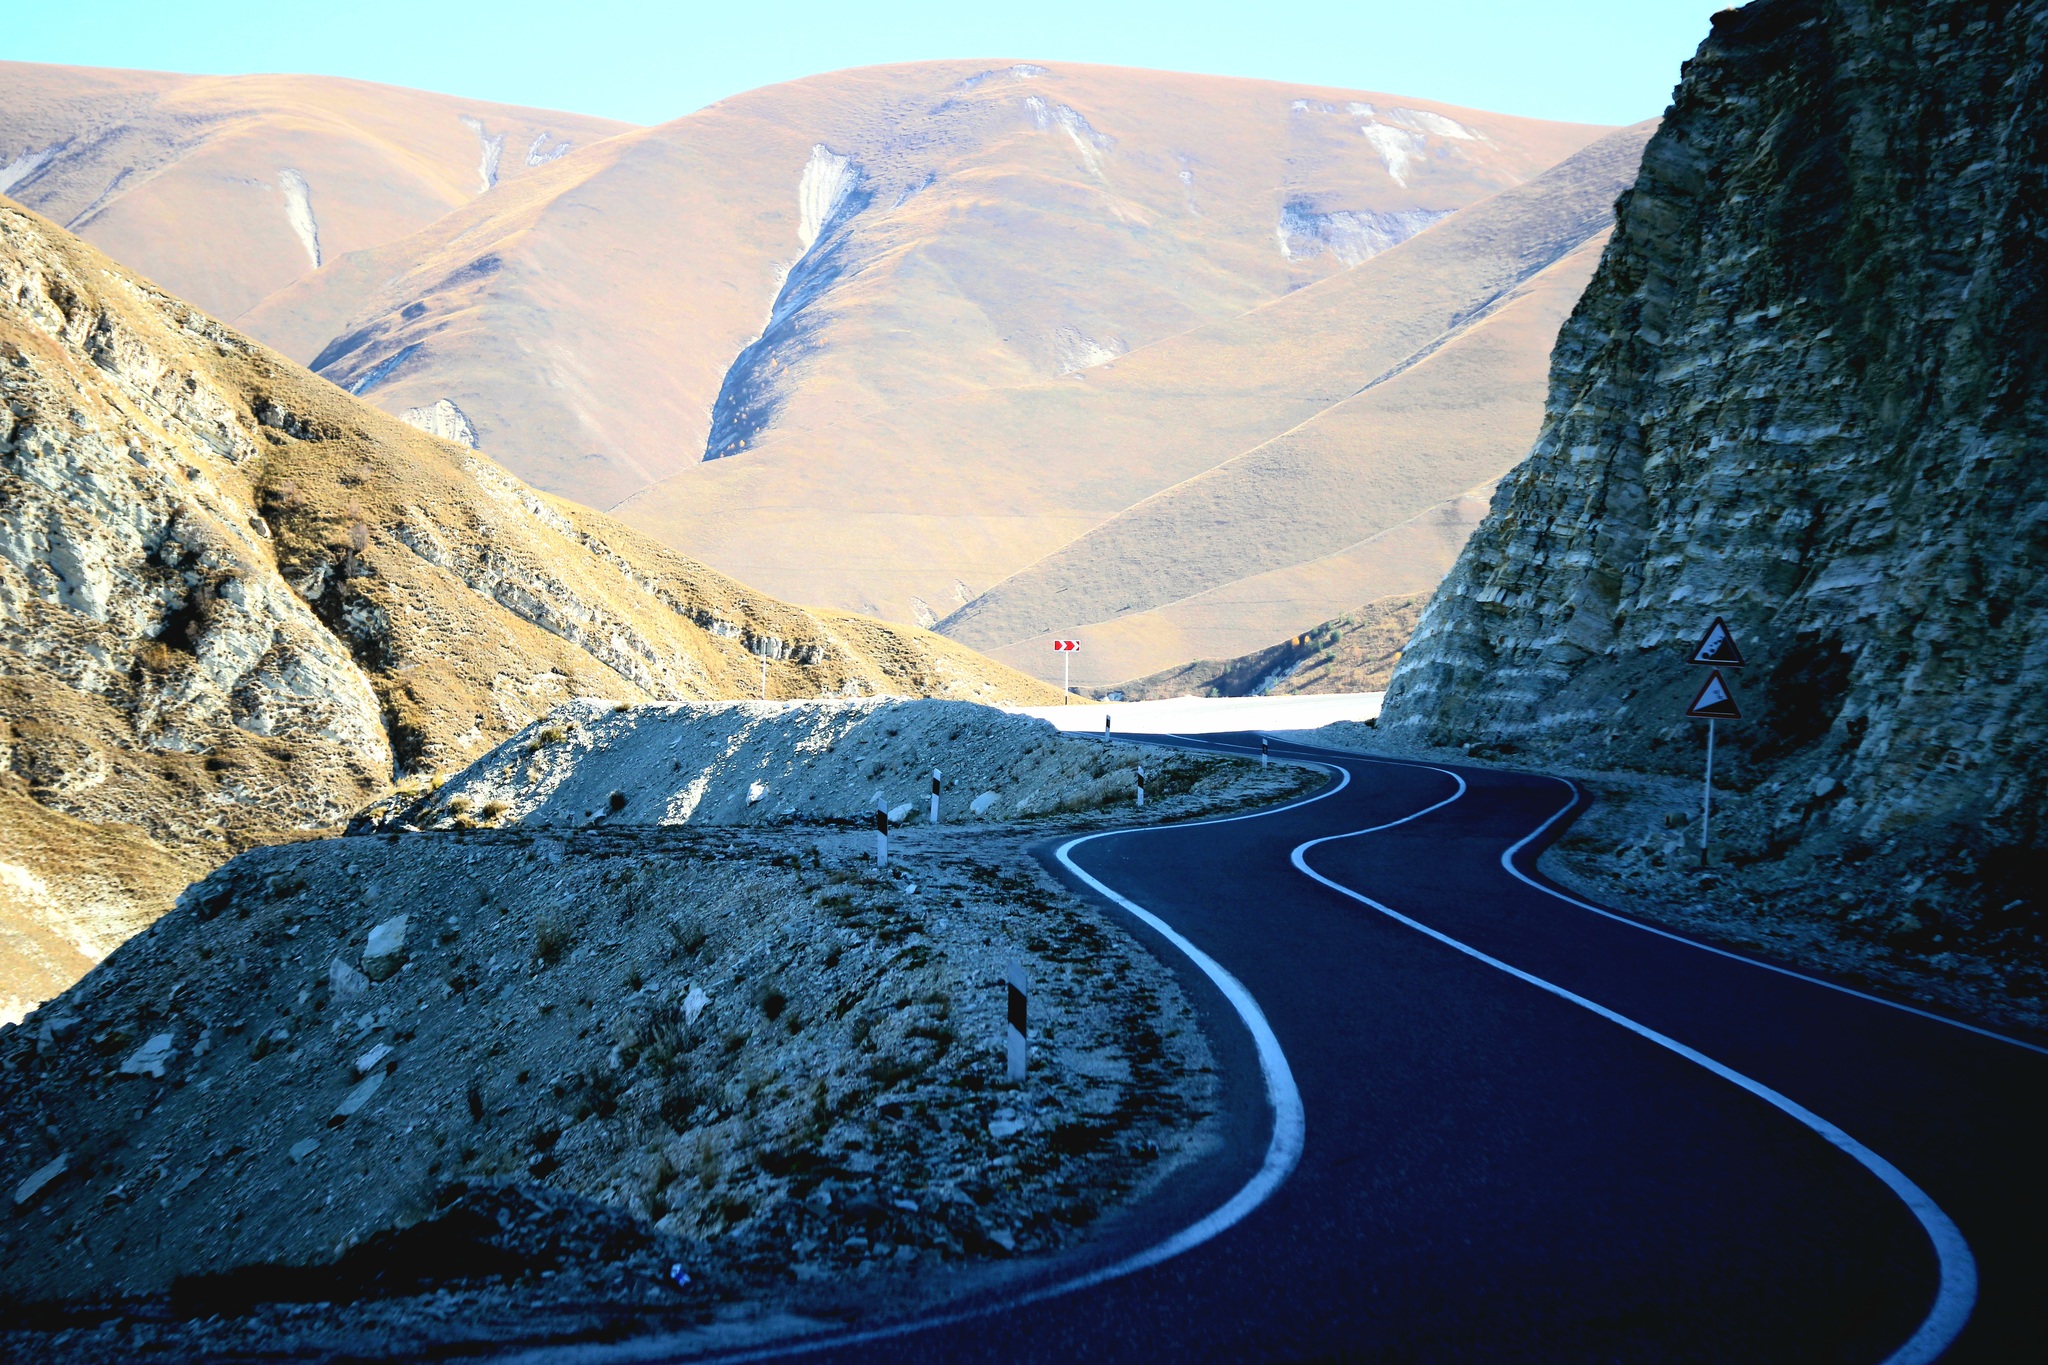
(1264, 745)
(1141, 786)
(1105, 727)
(1020, 1000)
(935, 795)
(1065, 649)
(1716, 650)
(881, 838)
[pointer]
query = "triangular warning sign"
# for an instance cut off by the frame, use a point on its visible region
(1717, 646)
(1715, 701)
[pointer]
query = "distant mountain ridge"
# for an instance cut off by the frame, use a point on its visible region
(962, 342)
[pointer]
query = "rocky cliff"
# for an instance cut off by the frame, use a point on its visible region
(1805, 392)
(237, 603)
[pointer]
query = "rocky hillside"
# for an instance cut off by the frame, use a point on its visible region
(1805, 391)
(236, 602)
(1355, 652)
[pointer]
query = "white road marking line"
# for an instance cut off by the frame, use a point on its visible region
(1956, 1293)
(1507, 861)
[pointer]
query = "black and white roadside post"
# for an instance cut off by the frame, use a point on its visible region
(936, 774)
(1105, 727)
(1015, 1032)
(1264, 745)
(1714, 703)
(1141, 786)
(881, 838)
(1065, 649)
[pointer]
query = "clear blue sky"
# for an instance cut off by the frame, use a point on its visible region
(1596, 61)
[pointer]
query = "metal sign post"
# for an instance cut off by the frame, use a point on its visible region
(1716, 650)
(1065, 649)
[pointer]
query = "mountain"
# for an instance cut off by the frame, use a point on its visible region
(971, 342)
(805, 253)
(236, 603)
(225, 189)
(1806, 391)
(1355, 652)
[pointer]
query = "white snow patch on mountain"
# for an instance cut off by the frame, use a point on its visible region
(444, 420)
(1422, 121)
(1075, 350)
(821, 191)
(1396, 146)
(540, 154)
(1314, 107)
(493, 148)
(1047, 115)
(298, 211)
(24, 166)
(1349, 235)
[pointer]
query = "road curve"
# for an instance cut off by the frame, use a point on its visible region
(1509, 1125)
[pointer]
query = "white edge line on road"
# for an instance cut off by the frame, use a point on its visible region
(1283, 1151)
(1956, 1293)
(1507, 860)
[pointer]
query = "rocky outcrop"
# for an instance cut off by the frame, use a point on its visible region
(1805, 392)
(236, 603)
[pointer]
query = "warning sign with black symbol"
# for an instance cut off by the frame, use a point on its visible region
(1717, 647)
(1715, 701)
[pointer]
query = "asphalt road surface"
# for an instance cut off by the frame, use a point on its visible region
(1470, 1119)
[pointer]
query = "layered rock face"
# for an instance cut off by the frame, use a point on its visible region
(1804, 392)
(235, 603)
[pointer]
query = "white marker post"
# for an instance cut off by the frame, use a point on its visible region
(1065, 649)
(881, 838)
(1716, 650)
(1020, 999)
(1264, 744)
(935, 795)
(1141, 786)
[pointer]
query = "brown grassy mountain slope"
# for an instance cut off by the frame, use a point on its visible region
(1204, 495)
(873, 241)
(236, 602)
(224, 189)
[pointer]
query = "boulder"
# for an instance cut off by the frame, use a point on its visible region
(40, 1178)
(384, 953)
(149, 1059)
(345, 982)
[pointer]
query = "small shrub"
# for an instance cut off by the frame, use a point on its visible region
(493, 809)
(549, 734)
(458, 805)
(617, 802)
(773, 1004)
(552, 936)
(156, 656)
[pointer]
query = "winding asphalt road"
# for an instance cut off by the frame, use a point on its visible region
(1471, 1118)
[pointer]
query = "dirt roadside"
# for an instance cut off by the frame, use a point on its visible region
(603, 1081)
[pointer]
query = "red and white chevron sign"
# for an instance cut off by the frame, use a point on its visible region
(1065, 646)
